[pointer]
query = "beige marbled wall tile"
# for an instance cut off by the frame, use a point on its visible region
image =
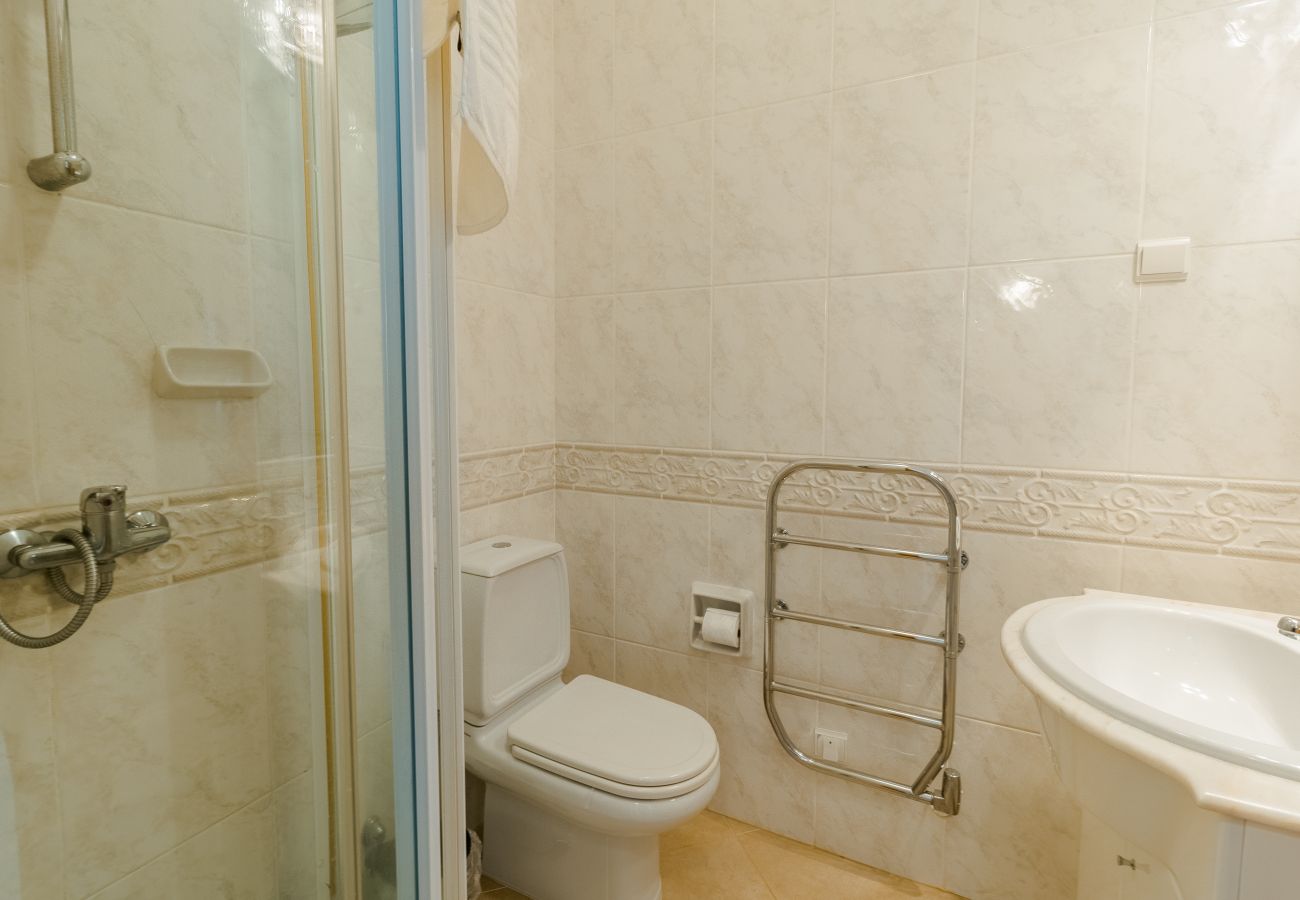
(1266, 584)
(900, 174)
(30, 827)
(590, 654)
(375, 794)
(18, 438)
(364, 324)
(294, 809)
(1166, 8)
(1215, 367)
(584, 524)
(537, 45)
(584, 369)
(183, 75)
(893, 372)
(358, 148)
(1007, 25)
(760, 784)
(1017, 836)
(661, 379)
(663, 63)
(771, 50)
(662, 208)
(149, 281)
(1058, 149)
(771, 190)
(520, 252)
(1048, 364)
(372, 631)
(889, 592)
(871, 826)
(1223, 161)
(886, 39)
(768, 366)
(273, 132)
(584, 220)
(1007, 572)
(675, 677)
(530, 516)
(662, 546)
(12, 36)
(234, 859)
(288, 587)
(506, 382)
(146, 666)
(281, 333)
(735, 559)
(584, 71)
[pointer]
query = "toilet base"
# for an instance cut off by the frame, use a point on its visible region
(534, 851)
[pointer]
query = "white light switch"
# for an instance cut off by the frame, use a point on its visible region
(830, 744)
(1164, 260)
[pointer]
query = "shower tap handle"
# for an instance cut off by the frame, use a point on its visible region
(103, 519)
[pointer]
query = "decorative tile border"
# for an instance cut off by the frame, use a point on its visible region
(224, 528)
(213, 530)
(493, 476)
(1244, 518)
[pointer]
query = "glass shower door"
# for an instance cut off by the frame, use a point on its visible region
(221, 724)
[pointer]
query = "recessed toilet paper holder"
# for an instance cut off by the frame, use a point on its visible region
(706, 596)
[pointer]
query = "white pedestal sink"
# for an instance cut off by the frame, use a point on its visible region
(1177, 728)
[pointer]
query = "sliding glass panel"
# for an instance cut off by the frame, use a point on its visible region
(194, 333)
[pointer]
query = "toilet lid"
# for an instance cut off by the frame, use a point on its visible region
(622, 740)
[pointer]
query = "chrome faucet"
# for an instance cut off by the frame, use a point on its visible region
(106, 533)
(107, 526)
(1289, 625)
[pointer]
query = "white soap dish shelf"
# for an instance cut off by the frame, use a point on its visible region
(209, 373)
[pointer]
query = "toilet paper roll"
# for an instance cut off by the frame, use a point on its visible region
(721, 626)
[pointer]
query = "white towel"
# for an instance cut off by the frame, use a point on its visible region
(488, 106)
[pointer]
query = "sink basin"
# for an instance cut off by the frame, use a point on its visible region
(1212, 679)
(1176, 729)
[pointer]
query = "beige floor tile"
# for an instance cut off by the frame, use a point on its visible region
(720, 871)
(708, 827)
(794, 871)
(504, 893)
(720, 858)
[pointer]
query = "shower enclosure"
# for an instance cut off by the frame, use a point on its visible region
(204, 317)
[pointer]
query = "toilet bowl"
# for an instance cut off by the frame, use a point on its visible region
(583, 777)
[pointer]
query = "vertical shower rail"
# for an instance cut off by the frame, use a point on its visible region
(946, 798)
(65, 166)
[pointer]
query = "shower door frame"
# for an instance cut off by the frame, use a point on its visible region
(414, 131)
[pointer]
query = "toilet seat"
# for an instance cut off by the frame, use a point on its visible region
(616, 740)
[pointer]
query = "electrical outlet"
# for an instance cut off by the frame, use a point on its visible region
(831, 744)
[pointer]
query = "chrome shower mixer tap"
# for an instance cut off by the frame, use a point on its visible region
(107, 532)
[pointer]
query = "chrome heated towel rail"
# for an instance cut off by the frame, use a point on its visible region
(946, 797)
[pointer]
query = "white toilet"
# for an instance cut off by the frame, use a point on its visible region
(581, 778)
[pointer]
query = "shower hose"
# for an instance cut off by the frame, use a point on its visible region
(98, 583)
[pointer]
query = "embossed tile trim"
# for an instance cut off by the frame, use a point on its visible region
(1241, 518)
(493, 476)
(213, 530)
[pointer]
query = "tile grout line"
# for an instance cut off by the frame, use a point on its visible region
(616, 134)
(893, 273)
